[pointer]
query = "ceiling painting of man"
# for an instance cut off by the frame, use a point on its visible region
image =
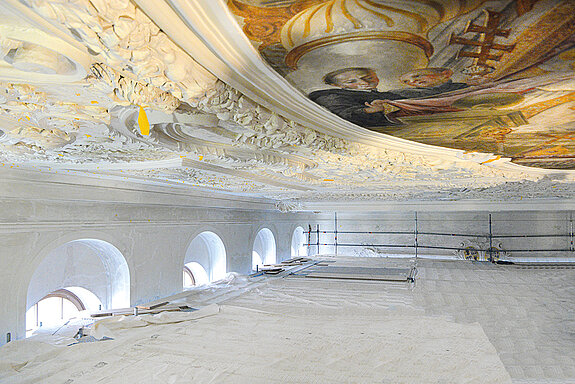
(486, 76)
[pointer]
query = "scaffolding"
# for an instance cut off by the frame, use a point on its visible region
(491, 253)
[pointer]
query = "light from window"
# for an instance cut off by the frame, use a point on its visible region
(189, 280)
(256, 261)
(55, 308)
(195, 274)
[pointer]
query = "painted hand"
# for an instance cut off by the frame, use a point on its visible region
(380, 106)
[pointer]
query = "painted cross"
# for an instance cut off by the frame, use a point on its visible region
(486, 43)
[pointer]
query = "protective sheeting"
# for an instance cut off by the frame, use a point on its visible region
(239, 345)
(272, 330)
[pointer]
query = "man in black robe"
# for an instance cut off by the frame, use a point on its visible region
(358, 100)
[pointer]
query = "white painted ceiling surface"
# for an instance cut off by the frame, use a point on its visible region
(75, 73)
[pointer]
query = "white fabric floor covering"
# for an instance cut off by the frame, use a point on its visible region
(238, 345)
(298, 330)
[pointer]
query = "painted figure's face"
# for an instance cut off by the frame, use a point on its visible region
(425, 79)
(359, 80)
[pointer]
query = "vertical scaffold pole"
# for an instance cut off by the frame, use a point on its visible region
(335, 230)
(490, 240)
(308, 239)
(317, 235)
(416, 232)
(415, 235)
(413, 272)
(571, 247)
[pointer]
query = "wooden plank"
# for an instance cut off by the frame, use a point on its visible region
(151, 306)
(130, 311)
(335, 276)
(274, 271)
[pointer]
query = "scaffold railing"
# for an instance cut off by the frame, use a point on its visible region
(416, 244)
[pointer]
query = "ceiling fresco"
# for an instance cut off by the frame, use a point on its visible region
(110, 89)
(481, 76)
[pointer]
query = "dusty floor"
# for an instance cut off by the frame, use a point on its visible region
(461, 322)
(527, 313)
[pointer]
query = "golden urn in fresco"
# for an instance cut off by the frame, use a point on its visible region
(388, 36)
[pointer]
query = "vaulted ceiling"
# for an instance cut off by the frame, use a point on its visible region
(214, 94)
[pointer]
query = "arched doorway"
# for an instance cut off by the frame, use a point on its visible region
(85, 274)
(206, 258)
(264, 250)
(298, 243)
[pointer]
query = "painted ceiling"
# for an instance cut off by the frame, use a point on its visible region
(476, 75)
(214, 95)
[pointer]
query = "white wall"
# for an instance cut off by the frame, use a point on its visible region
(151, 225)
(208, 250)
(298, 243)
(265, 246)
(531, 220)
(91, 264)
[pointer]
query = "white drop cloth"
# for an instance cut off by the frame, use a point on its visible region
(276, 333)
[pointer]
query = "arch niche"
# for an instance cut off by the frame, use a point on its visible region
(298, 241)
(206, 258)
(264, 250)
(94, 270)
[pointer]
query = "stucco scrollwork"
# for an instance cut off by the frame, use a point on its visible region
(288, 206)
(268, 129)
(126, 91)
(127, 40)
(24, 123)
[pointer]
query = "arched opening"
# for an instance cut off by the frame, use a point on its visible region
(89, 271)
(298, 243)
(256, 261)
(59, 306)
(195, 274)
(264, 251)
(188, 278)
(205, 258)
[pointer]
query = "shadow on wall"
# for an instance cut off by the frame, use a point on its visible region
(206, 255)
(264, 251)
(298, 243)
(81, 274)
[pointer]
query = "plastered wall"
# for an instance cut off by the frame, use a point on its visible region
(528, 234)
(152, 226)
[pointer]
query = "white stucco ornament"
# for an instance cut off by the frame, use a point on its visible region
(127, 40)
(204, 132)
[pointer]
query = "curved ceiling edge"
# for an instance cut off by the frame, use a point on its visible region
(210, 34)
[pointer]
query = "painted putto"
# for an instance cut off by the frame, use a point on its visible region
(481, 76)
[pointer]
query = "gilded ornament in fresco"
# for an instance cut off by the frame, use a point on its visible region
(494, 76)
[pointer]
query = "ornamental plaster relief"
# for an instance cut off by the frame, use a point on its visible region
(193, 115)
(30, 55)
(126, 91)
(201, 178)
(123, 37)
(116, 22)
(354, 164)
(355, 161)
(43, 122)
(268, 129)
(526, 190)
(274, 131)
